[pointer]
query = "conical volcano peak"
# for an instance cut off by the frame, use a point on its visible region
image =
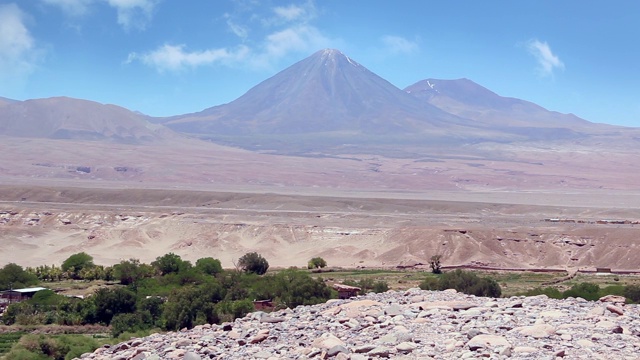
(326, 92)
(334, 56)
(330, 53)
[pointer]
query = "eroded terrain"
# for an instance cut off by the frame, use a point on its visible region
(44, 225)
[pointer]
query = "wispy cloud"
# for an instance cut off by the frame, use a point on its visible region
(547, 60)
(289, 32)
(294, 39)
(71, 7)
(134, 13)
(294, 13)
(240, 31)
(18, 52)
(176, 58)
(399, 45)
(290, 13)
(130, 13)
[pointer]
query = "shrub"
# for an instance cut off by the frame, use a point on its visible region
(550, 292)
(587, 291)
(465, 282)
(632, 292)
(429, 283)
(42, 347)
(469, 283)
(254, 263)
(368, 285)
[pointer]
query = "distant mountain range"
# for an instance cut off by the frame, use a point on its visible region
(67, 118)
(324, 100)
(328, 123)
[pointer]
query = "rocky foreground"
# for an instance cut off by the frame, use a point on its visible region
(412, 324)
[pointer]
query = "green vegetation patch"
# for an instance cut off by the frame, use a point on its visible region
(7, 340)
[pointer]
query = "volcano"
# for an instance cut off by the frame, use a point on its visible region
(327, 92)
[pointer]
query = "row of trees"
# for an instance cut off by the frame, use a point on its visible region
(169, 293)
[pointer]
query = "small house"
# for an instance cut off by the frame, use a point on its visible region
(17, 295)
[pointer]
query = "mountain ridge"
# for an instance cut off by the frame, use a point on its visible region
(69, 118)
(465, 98)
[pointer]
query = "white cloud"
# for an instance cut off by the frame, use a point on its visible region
(291, 33)
(399, 45)
(289, 13)
(176, 58)
(71, 7)
(133, 13)
(299, 38)
(547, 60)
(298, 14)
(18, 52)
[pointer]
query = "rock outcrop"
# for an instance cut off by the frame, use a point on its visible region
(412, 324)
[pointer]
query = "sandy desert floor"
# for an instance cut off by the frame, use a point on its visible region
(45, 222)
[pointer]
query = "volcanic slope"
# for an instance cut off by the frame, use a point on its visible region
(327, 92)
(68, 118)
(467, 99)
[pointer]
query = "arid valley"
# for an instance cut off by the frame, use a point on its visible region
(445, 167)
(44, 224)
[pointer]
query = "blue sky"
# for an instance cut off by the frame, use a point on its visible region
(169, 57)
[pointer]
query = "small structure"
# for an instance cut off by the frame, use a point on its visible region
(17, 295)
(260, 305)
(346, 291)
(603, 270)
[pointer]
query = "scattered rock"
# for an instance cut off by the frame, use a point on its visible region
(412, 324)
(615, 299)
(486, 341)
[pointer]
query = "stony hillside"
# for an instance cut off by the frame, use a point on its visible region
(408, 325)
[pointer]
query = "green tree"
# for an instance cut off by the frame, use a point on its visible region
(294, 288)
(209, 266)
(254, 263)
(152, 305)
(14, 276)
(76, 263)
(130, 322)
(131, 271)
(110, 302)
(435, 264)
(190, 306)
(316, 263)
(170, 263)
